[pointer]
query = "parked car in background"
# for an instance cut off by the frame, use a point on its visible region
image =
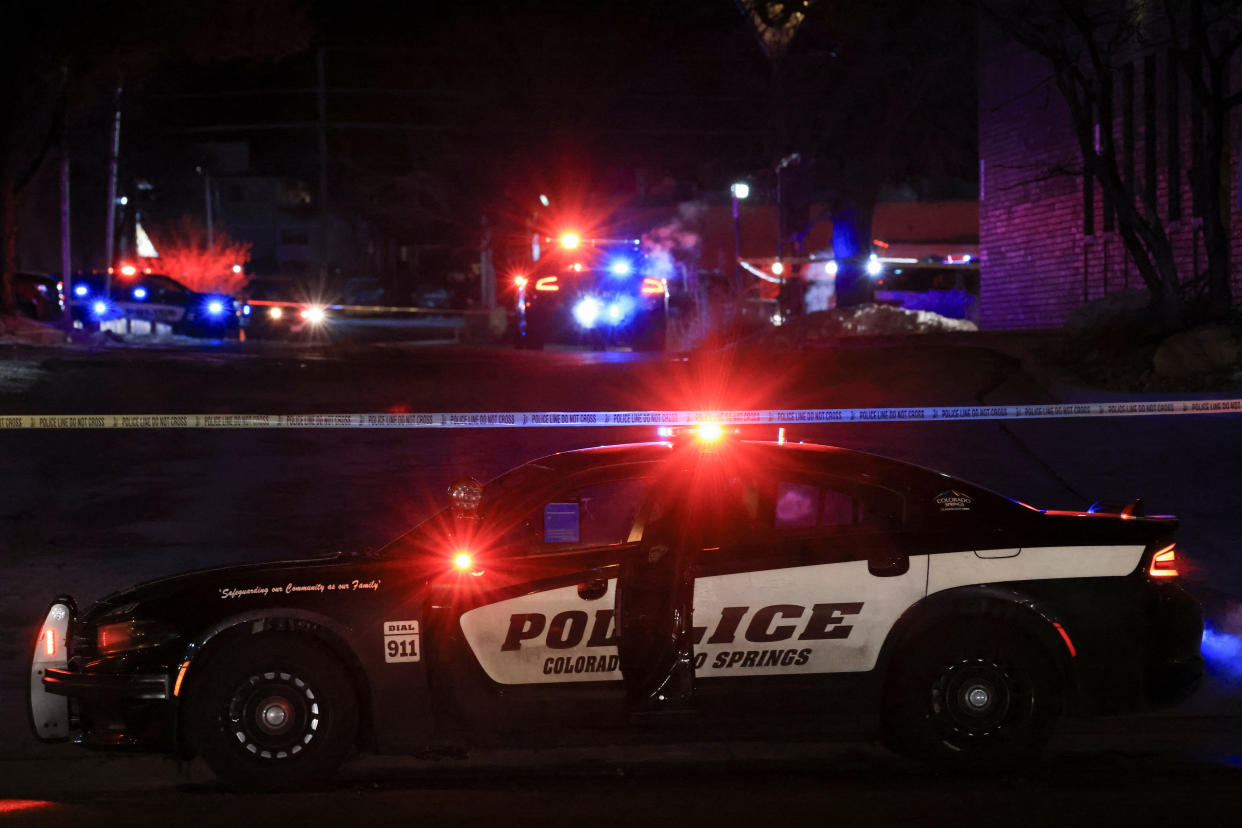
(39, 296)
(280, 306)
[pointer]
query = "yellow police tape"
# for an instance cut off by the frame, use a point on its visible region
(591, 419)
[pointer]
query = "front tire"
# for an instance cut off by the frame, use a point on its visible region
(274, 712)
(972, 698)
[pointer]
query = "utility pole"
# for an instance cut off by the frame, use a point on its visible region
(325, 227)
(110, 220)
(66, 257)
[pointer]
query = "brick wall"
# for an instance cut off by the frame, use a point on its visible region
(1037, 264)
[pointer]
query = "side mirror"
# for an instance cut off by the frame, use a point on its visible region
(465, 494)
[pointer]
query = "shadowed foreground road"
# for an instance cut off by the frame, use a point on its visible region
(1136, 780)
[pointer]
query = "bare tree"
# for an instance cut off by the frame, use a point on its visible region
(1085, 43)
(1206, 36)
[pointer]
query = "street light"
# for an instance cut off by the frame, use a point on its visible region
(740, 190)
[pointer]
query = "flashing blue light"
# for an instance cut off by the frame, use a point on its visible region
(99, 308)
(587, 312)
(621, 267)
(215, 307)
(615, 313)
(140, 293)
(80, 290)
(1222, 653)
(245, 310)
(874, 268)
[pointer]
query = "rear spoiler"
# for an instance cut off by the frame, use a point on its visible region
(1133, 509)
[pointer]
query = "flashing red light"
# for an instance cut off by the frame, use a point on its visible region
(652, 286)
(547, 283)
(463, 561)
(49, 642)
(520, 281)
(1164, 563)
(569, 241)
(709, 432)
(128, 270)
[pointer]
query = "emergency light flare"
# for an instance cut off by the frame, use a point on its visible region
(1222, 652)
(275, 312)
(215, 307)
(621, 267)
(873, 266)
(778, 268)
(587, 311)
(128, 270)
(100, 308)
(709, 432)
(80, 290)
(570, 241)
(314, 314)
(463, 561)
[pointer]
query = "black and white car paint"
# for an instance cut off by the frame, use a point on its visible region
(956, 622)
(153, 298)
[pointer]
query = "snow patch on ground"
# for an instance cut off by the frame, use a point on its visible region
(863, 320)
(16, 376)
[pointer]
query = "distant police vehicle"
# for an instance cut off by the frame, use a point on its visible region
(155, 298)
(825, 581)
(594, 292)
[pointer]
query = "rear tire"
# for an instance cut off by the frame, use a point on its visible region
(971, 697)
(274, 712)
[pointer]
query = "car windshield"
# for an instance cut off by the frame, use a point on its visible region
(274, 291)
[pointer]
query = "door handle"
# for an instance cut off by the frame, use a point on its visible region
(592, 589)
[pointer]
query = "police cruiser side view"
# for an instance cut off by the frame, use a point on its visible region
(703, 586)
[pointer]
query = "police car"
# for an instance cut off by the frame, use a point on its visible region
(155, 298)
(595, 292)
(960, 623)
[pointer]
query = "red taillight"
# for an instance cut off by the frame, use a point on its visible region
(1164, 563)
(49, 642)
(547, 283)
(652, 286)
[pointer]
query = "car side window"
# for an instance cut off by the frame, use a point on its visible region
(599, 514)
(836, 505)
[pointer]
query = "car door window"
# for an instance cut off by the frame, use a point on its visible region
(598, 514)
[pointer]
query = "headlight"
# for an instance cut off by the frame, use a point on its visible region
(135, 634)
